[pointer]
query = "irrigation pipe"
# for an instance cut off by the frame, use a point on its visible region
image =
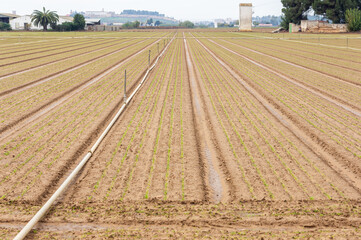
(45, 208)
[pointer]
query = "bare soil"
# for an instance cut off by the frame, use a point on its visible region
(216, 144)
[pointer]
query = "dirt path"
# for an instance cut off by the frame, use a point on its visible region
(220, 191)
(315, 219)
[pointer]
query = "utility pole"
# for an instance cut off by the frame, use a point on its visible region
(125, 86)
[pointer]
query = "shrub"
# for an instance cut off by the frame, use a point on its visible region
(186, 24)
(131, 25)
(64, 27)
(79, 22)
(353, 19)
(5, 26)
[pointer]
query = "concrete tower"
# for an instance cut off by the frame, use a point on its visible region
(245, 16)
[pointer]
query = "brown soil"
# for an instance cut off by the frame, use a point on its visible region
(207, 148)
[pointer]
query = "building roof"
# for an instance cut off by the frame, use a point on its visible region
(92, 20)
(10, 15)
(67, 18)
(245, 4)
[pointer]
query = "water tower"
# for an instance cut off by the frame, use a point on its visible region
(245, 17)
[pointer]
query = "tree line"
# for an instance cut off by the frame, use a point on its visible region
(46, 17)
(338, 11)
(141, 12)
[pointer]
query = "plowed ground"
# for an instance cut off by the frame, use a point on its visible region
(225, 139)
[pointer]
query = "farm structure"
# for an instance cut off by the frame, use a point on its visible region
(245, 16)
(24, 22)
(243, 135)
(7, 17)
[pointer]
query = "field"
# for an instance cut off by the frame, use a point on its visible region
(232, 135)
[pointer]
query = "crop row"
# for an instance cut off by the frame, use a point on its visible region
(9, 52)
(144, 56)
(284, 155)
(344, 70)
(52, 58)
(16, 55)
(127, 138)
(108, 45)
(28, 74)
(147, 159)
(26, 164)
(69, 48)
(29, 99)
(327, 117)
(70, 39)
(334, 87)
(76, 119)
(325, 40)
(314, 51)
(337, 57)
(316, 113)
(20, 66)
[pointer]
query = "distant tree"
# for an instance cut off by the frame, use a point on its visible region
(67, 26)
(149, 21)
(131, 25)
(334, 10)
(274, 21)
(79, 22)
(141, 12)
(353, 19)
(5, 26)
(44, 18)
(64, 27)
(202, 26)
(157, 23)
(127, 25)
(186, 24)
(294, 11)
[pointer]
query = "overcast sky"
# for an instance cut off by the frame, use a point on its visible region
(179, 9)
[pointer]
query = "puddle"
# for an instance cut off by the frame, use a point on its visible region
(214, 178)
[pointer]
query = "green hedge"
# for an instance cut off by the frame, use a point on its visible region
(353, 19)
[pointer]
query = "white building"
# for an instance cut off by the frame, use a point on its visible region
(245, 16)
(98, 14)
(24, 23)
(229, 20)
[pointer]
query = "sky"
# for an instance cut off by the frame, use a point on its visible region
(194, 10)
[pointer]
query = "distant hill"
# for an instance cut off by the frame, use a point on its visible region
(141, 16)
(141, 12)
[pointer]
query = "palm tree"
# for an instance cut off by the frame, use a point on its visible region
(44, 18)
